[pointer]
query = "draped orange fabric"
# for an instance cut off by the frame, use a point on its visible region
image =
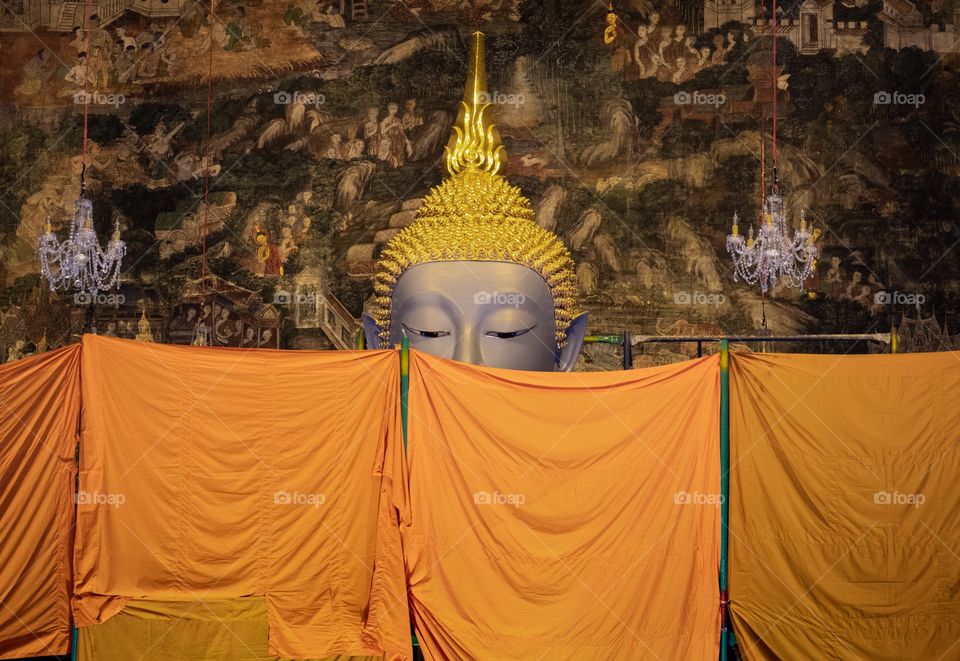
(220, 473)
(211, 630)
(563, 516)
(844, 508)
(39, 411)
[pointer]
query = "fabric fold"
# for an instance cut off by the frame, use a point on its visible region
(229, 473)
(39, 417)
(844, 512)
(566, 516)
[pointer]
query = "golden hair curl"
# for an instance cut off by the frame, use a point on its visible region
(477, 216)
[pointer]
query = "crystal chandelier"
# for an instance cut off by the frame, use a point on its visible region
(79, 262)
(774, 255)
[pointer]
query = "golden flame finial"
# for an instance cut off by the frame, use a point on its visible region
(475, 141)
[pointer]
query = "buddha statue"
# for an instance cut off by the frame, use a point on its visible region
(473, 277)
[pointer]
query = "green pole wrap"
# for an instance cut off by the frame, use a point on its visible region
(404, 385)
(724, 494)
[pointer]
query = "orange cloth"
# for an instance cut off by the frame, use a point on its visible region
(39, 412)
(223, 630)
(844, 509)
(564, 516)
(222, 473)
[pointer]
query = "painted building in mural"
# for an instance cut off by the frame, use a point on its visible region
(64, 15)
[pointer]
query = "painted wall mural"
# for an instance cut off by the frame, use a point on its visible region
(637, 130)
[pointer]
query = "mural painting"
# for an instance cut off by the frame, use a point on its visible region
(256, 156)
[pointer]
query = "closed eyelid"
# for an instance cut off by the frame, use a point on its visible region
(426, 333)
(506, 335)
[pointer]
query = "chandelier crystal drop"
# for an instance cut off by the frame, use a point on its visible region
(774, 255)
(79, 262)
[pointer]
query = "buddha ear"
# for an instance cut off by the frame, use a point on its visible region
(371, 331)
(574, 342)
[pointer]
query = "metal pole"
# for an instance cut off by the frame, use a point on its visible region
(404, 385)
(603, 339)
(627, 351)
(724, 494)
(894, 339)
(404, 405)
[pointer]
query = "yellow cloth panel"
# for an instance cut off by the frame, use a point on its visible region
(225, 630)
(564, 516)
(39, 412)
(224, 473)
(844, 508)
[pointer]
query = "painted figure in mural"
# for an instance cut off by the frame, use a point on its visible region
(223, 328)
(266, 339)
(412, 118)
(77, 76)
(287, 245)
(335, 150)
(36, 73)
(249, 339)
(615, 41)
(610, 31)
(474, 277)
(16, 351)
(394, 145)
(353, 148)
(371, 132)
(835, 279)
(268, 255)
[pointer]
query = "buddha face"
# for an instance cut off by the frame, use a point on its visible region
(498, 314)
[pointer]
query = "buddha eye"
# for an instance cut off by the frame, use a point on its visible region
(427, 333)
(506, 335)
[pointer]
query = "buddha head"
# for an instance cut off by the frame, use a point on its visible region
(473, 277)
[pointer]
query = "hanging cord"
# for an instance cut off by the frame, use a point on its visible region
(86, 101)
(206, 164)
(763, 157)
(773, 82)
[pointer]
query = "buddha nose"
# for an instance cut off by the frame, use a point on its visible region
(467, 349)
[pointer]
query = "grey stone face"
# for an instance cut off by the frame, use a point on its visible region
(498, 314)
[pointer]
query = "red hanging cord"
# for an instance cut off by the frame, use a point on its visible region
(773, 81)
(86, 101)
(763, 121)
(206, 162)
